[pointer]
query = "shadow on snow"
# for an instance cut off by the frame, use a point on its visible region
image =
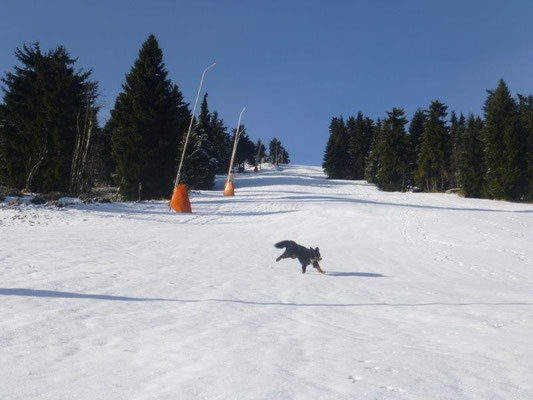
(359, 274)
(69, 295)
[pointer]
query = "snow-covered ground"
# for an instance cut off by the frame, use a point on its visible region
(426, 296)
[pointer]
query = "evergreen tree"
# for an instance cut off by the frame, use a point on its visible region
(245, 149)
(222, 143)
(526, 114)
(435, 147)
(260, 152)
(201, 165)
(285, 159)
(336, 155)
(198, 171)
(205, 127)
(471, 168)
(357, 147)
(393, 153)
(372, 163)
(416, 128)
(457, 129)
(368, 135)
(273, 150)
(38, 120)
(101, 164)
(146, 127)
(505, 146)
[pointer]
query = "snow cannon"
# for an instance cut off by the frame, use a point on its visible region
(229, 189)
(180, 200)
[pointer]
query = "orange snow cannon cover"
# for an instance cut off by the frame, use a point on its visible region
(229, 189)
(180, 200)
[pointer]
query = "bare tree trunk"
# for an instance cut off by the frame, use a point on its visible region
(79, 178)
(33, 170)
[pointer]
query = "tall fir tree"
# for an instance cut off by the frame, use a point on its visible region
(43, 99)
(356, 147)
(273, 150)
(457, 129)
(505, 141)
(222, 142)
(526, 115)
(372, 163)
(393, 153)
(470, 159)
(435, 148)
(368, 135)
(245, 152)
(416, 128)
(260, 152)
(336, 155)
(202, 159)
(146, 127)
(198, 171)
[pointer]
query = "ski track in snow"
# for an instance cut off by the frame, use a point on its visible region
(426, 296)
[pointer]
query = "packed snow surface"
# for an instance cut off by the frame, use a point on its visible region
(426, 296)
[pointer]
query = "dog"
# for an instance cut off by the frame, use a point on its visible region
(305, 255)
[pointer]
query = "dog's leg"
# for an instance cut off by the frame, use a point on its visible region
(315, 264)
(304, 263)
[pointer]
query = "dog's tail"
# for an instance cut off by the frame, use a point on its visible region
(284, 244)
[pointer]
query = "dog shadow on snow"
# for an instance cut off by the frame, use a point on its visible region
(356, 274)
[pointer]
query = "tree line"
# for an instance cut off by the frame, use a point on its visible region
(490, 157)
(50, 138)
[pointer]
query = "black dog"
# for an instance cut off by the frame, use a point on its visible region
(306, 256)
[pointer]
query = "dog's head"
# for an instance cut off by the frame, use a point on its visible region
(315, 254)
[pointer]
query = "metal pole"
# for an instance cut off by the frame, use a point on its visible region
(237, 136)
(176, 182)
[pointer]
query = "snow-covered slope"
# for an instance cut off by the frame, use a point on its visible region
(427, 296)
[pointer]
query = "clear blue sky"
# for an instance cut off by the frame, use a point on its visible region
(293, 64)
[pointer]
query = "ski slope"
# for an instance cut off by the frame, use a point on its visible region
(426, 296)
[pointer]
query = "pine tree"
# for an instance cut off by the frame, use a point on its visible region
(198, 171)
(146, 127)
(372, 163)
(285, 158)
(42, 100)
(526, 114)
(505, 143)
(457, 129)
(273, 149)
(245, 149)
(471, 167)
(358, 146)
(435, 148)
(368, 136)
(336, 155)
(416, 128)
(222, 142)
(201, 164)
(393, 153)
(260, 152)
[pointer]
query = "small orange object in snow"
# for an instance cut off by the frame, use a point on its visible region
(180, 200)
(229, 189)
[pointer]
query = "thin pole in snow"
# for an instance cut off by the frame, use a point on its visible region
(176, 182)
(237, 137)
